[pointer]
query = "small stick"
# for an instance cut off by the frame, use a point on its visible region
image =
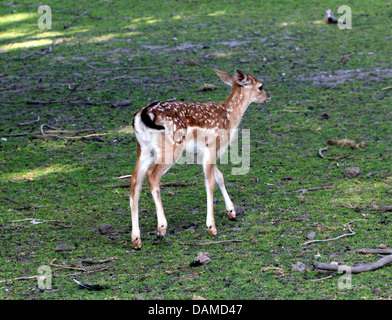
(357, 269)
(381, 208)
(163, 184)
(65, 267)
(29, 122)
(317, 188)
(320, 152)
(125, 177)
(209, 243)
(321, 279)
(93, 261)
(50, 127)
(387, 88)
(89, 136)
(338, 237)
(51, 101)
(176, 184)
(45, 52)
(80, 268)
(74, 20)
(19, 278)
(48, 132)
(118, 68)
(294, 111)
(368, 250)
(44, 220)
(26, 207)
(42, 128)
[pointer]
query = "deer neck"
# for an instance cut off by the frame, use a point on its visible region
(236, 104)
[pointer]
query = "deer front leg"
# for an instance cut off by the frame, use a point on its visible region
(154, 175)
(228, 203)
(210, 185)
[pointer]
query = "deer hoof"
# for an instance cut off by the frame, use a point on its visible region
(137, 243)
(161, 231)
(212, 231)
(231, 215)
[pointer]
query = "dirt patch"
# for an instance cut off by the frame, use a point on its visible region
(191, 46)
(336, 77)
(233, 43)
(180, 47)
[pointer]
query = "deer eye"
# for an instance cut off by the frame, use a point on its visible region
(261, 88)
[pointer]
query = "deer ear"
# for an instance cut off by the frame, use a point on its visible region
(225, 77)
(241, 78)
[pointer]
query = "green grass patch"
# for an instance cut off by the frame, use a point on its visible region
(150, 50)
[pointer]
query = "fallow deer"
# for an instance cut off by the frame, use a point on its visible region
(166, 129)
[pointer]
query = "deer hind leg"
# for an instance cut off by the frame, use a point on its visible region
(228, 203)
(154, 175)
(210, 186)
(143, 162)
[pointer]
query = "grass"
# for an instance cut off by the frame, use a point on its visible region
(177, 44)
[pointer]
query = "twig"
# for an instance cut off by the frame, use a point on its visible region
(43, 53)
(19, 278)
(118, 68)
(125, 177)
(29, 122)
(338, 237)
(294, 111)
(326, 187)
(320, 152)
(66, 266)
(25, 207)
(176, 184)
(73, 88)
(90, 16)
(51, 101)
(381, 208)
(47, 132)
(321, 279)
(120, 185)
(387, 88)
(65, 100)
(209, 243)
(357, 269)
(94, 137)
(368, 250)
(50, 127)
(58, 222)
(74, 20)
(51, 134)
(93, 261)
(163, 184)
(80, 268)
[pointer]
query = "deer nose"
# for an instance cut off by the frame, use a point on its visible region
(268, 98)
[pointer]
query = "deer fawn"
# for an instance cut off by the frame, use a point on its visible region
(164, 130)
